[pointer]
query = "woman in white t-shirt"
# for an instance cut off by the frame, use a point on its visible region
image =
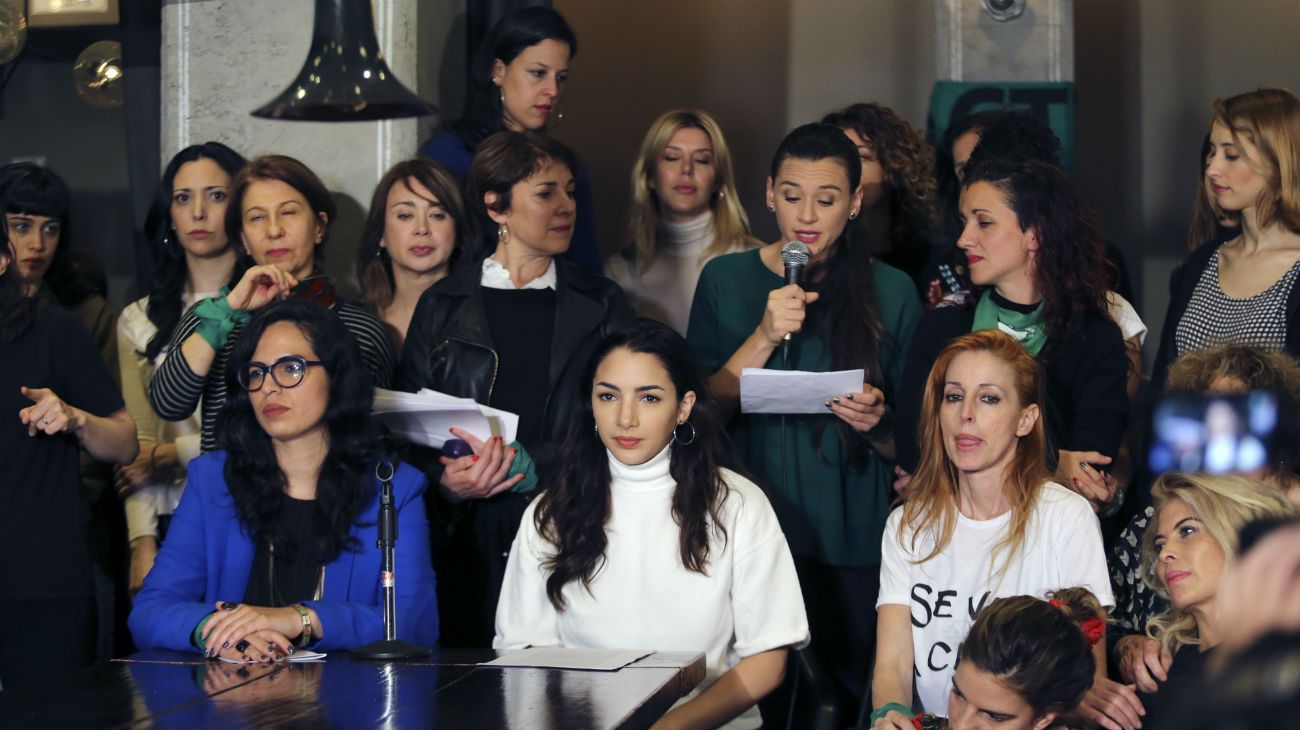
(684, 213)
(981, 521)
(642, 540)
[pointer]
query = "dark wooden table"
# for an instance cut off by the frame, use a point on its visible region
(173, 690)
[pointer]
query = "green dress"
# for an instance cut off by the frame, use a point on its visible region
(829, 509)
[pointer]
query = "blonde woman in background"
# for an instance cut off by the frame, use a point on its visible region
(684, 212)
(1194, 540)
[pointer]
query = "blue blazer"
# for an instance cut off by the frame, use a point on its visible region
(207, 557)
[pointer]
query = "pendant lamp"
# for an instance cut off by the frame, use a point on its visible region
(345, 77)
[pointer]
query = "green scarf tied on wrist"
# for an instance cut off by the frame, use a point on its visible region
(1027, 327)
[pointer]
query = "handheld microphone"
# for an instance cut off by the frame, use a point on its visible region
(795, 257)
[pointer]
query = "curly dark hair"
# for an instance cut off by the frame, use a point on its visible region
(253, 476)
(906, 159)
(167, 281)
(947, 186)
(1036, 648)
(575, 507)
(1070, 264)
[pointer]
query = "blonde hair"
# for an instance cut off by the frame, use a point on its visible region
(1224, 504)
(932, 508)
(1270, 120)
(730, 223)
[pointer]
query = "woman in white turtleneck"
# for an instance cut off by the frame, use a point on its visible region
(684, 212)
(643, 540)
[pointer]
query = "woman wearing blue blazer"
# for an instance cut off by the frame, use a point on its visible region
(272, 548)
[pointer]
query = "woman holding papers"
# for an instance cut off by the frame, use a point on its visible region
(273, 545)
(1035, 247)
(511, 330)
(280, 212)
(643, 540)
(828, 475)
(983, 521)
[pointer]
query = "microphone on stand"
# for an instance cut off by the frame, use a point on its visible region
(795, 257)
(390, 647)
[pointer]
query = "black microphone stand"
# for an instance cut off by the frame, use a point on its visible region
(389, 648)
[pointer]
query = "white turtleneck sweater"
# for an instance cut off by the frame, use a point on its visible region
(643, 598)
(665, 290)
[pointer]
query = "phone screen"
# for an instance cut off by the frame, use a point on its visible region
(1217, 434)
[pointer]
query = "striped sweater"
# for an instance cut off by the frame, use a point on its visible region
(175, 390)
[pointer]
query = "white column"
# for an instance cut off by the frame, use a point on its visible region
(223, 58)
(1037, 45)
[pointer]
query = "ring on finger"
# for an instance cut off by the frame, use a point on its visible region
(45, 421)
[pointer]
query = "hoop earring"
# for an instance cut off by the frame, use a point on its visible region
(683, 441)
(503, 234)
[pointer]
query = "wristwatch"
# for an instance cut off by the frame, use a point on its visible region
(305, 638)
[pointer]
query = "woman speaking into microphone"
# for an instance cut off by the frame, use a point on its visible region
(828, 476)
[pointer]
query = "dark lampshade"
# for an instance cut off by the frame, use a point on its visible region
(345, 77)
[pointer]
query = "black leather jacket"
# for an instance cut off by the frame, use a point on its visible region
(449, 348)
(449, 345)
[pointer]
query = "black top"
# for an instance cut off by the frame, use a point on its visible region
(43, 516)
(1184, 675)
(297, 573)
(1086, 376)
(522, 322)
(1181, 285)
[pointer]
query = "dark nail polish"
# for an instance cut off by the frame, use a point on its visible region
(835, 400)
(227, 606)
(291, 650)
(225, 645)
(828, 404)
(279, 657)
(850, 396)
(264, 657)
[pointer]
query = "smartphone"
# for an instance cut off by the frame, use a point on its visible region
(1218, 434)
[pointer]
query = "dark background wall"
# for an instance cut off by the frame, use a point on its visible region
(98, 152)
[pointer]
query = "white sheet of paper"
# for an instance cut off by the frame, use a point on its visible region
(794, 391)
(426, 417)
(300, 655)
(554, 657)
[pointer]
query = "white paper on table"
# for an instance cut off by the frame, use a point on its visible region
(298, 656)
(554, 657)
(794, 391)
(426, 417)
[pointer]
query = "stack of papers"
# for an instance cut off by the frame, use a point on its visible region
(426, 417)
(794, 391)
(554, 657)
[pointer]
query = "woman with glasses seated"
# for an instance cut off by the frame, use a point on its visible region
(273, 544)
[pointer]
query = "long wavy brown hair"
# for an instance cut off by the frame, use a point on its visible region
(907, 160)
(931, 510)
(1069, 268)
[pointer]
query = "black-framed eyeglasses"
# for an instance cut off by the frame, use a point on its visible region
(287, 372)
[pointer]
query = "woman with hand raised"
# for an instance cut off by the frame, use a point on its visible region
(280, 212)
